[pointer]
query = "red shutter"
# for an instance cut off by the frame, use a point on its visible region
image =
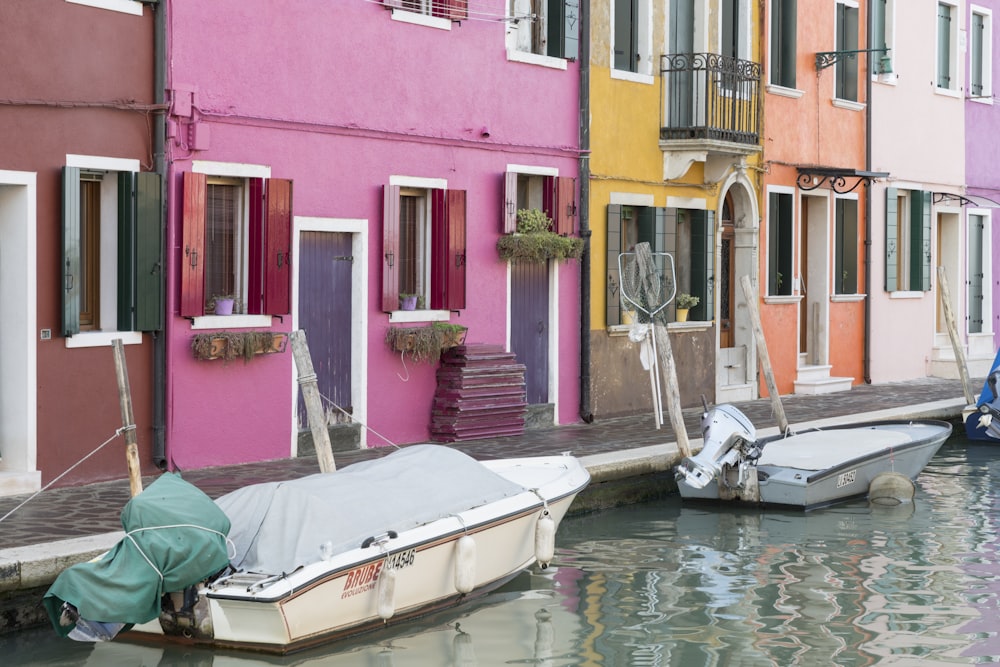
(278, 247)
(509, 213)
(193, 257)
(256, 223)
(456, 259)
(455, 10)
(564, 214)
(390, 248)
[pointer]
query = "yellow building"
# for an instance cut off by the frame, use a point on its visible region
(674, 109)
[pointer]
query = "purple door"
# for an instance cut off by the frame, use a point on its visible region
(325, 264)
(529, 327)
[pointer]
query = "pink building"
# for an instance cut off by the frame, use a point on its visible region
(326, 158)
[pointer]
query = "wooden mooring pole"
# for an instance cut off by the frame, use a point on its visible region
(313, 401)
(128, 420)
(956, 344)
(750, 294)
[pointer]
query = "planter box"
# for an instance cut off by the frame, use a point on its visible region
(220, 347)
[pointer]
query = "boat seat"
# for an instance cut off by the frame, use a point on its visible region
(819, 450)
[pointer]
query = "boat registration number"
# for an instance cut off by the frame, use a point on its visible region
(847, 478)
(400, 559)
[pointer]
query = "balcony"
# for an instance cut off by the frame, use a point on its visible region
(710, 112)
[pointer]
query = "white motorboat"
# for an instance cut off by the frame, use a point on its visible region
(806, 469)
(337, 554)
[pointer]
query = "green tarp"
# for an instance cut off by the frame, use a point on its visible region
(172, 529)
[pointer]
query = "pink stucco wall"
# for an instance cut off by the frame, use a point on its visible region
(338, 97)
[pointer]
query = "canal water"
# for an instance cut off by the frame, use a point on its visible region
(671, 584)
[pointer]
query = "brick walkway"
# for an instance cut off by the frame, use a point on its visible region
(94, 509)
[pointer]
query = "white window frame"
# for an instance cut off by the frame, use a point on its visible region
(109, 249)
(133, 7)
(986, 96)
(518, 38)
(844, 102)
(953, 51)
(783, 190)
(890, 44)
(645, 72)
(241, 172)
(987, 250)
(406, 15)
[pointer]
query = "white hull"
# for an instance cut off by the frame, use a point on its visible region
(400, 577)
(823, 467)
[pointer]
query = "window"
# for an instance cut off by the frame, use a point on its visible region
(454, 10)
(947, 43)
(237, 240)
(631, 50)
(554, 195)
(845, 262)
(111, 247)
(846, 70)
(882, 35)
(423, 237)
(688, 235)
(735, 36)
(783, 27)
(907, 240)
(545, 27)
(981, 54)
(780, 223)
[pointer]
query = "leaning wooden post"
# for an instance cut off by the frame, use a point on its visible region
(750, 295)
(313, 401)
(644, 258)
(128, 420)
(956, 344)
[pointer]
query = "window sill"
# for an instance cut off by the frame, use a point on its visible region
(230, 321)
(634, 77)
(888, 79)
(850, 105)
(615, 330)
(906, 295)
(793, 93)
(847, 298)
(419, 316)
(777, 300)
(517, 56)
(986, 98)
(103, 338)
(947, 92)
(132, 7)
(416, 18)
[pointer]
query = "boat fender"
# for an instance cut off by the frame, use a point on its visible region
(891, 488)
(465, 564)
(387, 593)
(545, 539)
(464, 653)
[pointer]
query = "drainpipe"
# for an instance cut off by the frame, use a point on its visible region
(866, 361)
(586, 414)
(159, 156)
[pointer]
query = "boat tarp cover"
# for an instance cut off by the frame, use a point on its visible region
(174, 525)
(279, 526)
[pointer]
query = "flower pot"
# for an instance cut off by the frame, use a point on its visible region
(682, 314)
(224, 306)
(408, 302)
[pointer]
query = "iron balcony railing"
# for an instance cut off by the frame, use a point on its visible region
(708, 96)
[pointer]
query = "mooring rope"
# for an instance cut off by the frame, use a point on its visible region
(118, 433)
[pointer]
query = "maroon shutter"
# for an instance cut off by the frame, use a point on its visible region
(456, 10)
(390, 248)
(193, 258)
(255, 272)
(509, 213)
(393, 3)
(564, 215)
(456, 260)
(278, 247)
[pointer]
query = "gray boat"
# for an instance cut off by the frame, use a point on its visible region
(806, 469)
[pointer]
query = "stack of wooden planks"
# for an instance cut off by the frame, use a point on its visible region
(480, 394)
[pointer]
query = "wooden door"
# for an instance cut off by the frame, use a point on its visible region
(529, 327)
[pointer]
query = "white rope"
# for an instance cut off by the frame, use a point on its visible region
(178, 525)
(130, 427)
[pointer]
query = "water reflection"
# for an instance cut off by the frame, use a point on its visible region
(666, 584)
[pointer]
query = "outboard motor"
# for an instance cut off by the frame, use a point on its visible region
(724, 430)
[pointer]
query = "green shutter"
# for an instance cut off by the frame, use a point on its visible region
(944, 46)
(891, 240)
(847, 40)
(71, 251)
(613, 306)
(878, 35)
(149, 287)
(920, 241)
(126, 251)
(783, 46)
(702, 262)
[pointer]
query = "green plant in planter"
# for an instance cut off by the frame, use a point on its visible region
(687, 301)
(424, 343)
(450, 334)
(535, 242)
